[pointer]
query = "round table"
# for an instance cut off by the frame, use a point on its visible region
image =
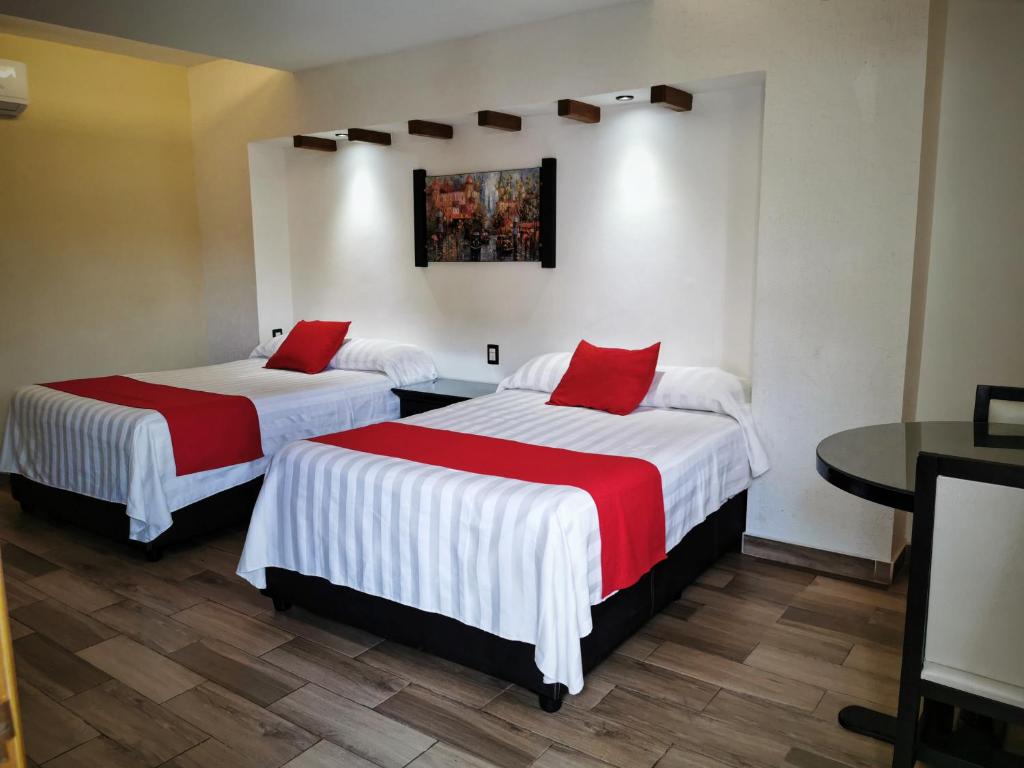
(878, 463)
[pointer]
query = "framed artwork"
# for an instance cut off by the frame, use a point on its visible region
(486, 216)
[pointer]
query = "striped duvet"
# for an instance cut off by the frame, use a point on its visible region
(124, 455)
(517, 559)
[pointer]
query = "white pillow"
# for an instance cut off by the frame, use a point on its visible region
(693, 388)
(541, 374)
(709, 389)
(268, 348)
(689, 387)
(686, 387)
(402, 363)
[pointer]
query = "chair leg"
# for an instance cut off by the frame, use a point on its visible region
(904, 753)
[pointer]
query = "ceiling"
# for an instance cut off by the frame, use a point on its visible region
(292, 34)
(40, 30)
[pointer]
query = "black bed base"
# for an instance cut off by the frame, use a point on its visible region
(615, 620)
(214, 513)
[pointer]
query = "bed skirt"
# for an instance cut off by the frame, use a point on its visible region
(614, 620)
(231, 507)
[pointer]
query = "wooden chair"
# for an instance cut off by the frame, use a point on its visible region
(1001, 405)
(964, 640)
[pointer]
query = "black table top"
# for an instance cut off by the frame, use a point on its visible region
(451, 388)
(878, 463)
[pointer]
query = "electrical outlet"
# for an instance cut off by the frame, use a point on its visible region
(276, 332)
(492, 354)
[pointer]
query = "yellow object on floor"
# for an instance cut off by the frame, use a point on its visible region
(12, 750)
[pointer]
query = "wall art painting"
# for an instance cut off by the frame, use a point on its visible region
(485, 216)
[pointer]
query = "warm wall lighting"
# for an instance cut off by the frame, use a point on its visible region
(624, 97)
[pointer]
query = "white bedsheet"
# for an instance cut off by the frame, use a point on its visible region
(124, 455)
(519, 560)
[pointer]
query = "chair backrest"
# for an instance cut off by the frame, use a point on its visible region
(973, 514)
(999, 405)
(976, 595)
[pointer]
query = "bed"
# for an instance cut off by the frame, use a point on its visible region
(111, 468)
(500, 574)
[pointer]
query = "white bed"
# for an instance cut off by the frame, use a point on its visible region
(124, 455)
(517, 559)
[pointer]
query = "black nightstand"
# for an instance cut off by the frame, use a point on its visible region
(419, 398)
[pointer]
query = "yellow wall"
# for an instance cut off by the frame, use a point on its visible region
(232, 104)
(99, 238)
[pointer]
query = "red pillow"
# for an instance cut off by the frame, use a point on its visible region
(310, 346)
(607, 379)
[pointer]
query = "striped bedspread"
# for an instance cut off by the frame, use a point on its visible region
(517, 559)
(124, 455)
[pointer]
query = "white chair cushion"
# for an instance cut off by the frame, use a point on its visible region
(985, 687)
(1005, 412)
(975, 608)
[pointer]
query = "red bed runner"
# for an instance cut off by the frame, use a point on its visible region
(627, 491)
(208, 430)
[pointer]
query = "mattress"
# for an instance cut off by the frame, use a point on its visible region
(124, 455)
(517, 559)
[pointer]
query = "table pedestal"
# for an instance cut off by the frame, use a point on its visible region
(869, 722)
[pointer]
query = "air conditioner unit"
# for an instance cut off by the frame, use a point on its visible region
(13, 88)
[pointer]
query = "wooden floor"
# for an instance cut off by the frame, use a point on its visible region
(126, 663)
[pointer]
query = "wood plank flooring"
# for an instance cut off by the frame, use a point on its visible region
(179, 663)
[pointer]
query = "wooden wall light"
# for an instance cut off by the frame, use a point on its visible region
(673, 98)
(314, 142)
(502, 121)
(371, 137)
(430, 130)
(579, 110)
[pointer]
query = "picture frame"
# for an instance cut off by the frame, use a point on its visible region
(486, 216)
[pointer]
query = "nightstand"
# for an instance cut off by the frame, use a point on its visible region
(419, 398)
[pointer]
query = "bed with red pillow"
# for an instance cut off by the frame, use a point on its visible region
(157, 457)
(525, 533)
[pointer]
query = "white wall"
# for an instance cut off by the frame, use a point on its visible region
(657, 232)
(268, 169)
(974, 311)
(839, 176)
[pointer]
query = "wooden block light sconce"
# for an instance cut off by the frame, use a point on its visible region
(488, 118)
(314, 142)
(331, 145)
(673, 98)
(579, 110)
(371, 137)
(430, 130)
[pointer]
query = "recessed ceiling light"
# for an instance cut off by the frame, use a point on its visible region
(624, 97)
